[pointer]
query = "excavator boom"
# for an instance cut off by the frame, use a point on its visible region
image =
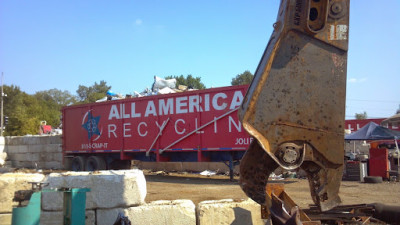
(295, 105)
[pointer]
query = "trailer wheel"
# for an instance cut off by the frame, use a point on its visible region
(95, 163)
(78, 163)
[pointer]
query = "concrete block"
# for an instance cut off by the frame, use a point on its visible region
(12, 149)
(30, 140)
(51, 157)
(9, 140)
(31, 157)
(53, 165)
(43, 140)
(52, 148)
(56, 139)
(53, 201)
(58, 157)
(90, 217)
(11, 182)
(17, 156)
(57, 217)
(51, 218)
(228, 211)
(5, 219)
(158, 212)
(109, 189)
(15, 164)
(43, 156)
(47, 157)
(32, 148)
(26, 164)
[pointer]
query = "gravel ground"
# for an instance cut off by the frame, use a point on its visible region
(163, 186)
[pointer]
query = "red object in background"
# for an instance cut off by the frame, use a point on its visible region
(378, 162)
(45, 129)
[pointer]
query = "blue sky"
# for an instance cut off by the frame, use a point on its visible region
(64, 44)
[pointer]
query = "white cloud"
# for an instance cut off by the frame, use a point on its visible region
(138, 22)
(352, 80)
(357, 80)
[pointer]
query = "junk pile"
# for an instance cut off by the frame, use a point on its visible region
(160, 86)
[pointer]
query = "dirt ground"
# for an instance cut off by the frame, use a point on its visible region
(199, 188)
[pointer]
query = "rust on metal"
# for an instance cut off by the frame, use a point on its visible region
(276, 200)
(280, 209)
(295, 105)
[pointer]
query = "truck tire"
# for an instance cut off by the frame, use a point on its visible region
(78, 163)
(95, 163)
(372, 180)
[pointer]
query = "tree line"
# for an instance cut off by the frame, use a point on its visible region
(25, 111)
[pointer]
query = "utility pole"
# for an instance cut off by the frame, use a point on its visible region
(2, 116)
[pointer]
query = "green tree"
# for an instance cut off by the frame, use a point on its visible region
(25, 111)
(61, 98)
(51, 102)
(244, 78)
(92, 93)
(189, 80)
(361, 116)
(22, 111)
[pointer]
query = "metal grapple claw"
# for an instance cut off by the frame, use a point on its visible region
(295, 105)
(255, 168)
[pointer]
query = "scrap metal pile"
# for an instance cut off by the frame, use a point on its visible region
(160, 86)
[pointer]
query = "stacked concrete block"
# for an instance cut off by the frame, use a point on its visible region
(57, 217)
(42, 152)
(157, 212)
(229, 212)
(108, 189)
(114, 192)
(5, 219)
(11, 182)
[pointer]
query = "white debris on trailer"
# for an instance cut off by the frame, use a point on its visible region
(160, 86)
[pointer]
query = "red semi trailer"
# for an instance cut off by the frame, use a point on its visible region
(194, 126)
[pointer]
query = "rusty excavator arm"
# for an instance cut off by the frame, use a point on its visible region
(295, 105)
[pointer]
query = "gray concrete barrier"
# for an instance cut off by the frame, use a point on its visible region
(123, 191)
(42, 152)
(228, 211)
(108, 189)
(157, 212)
